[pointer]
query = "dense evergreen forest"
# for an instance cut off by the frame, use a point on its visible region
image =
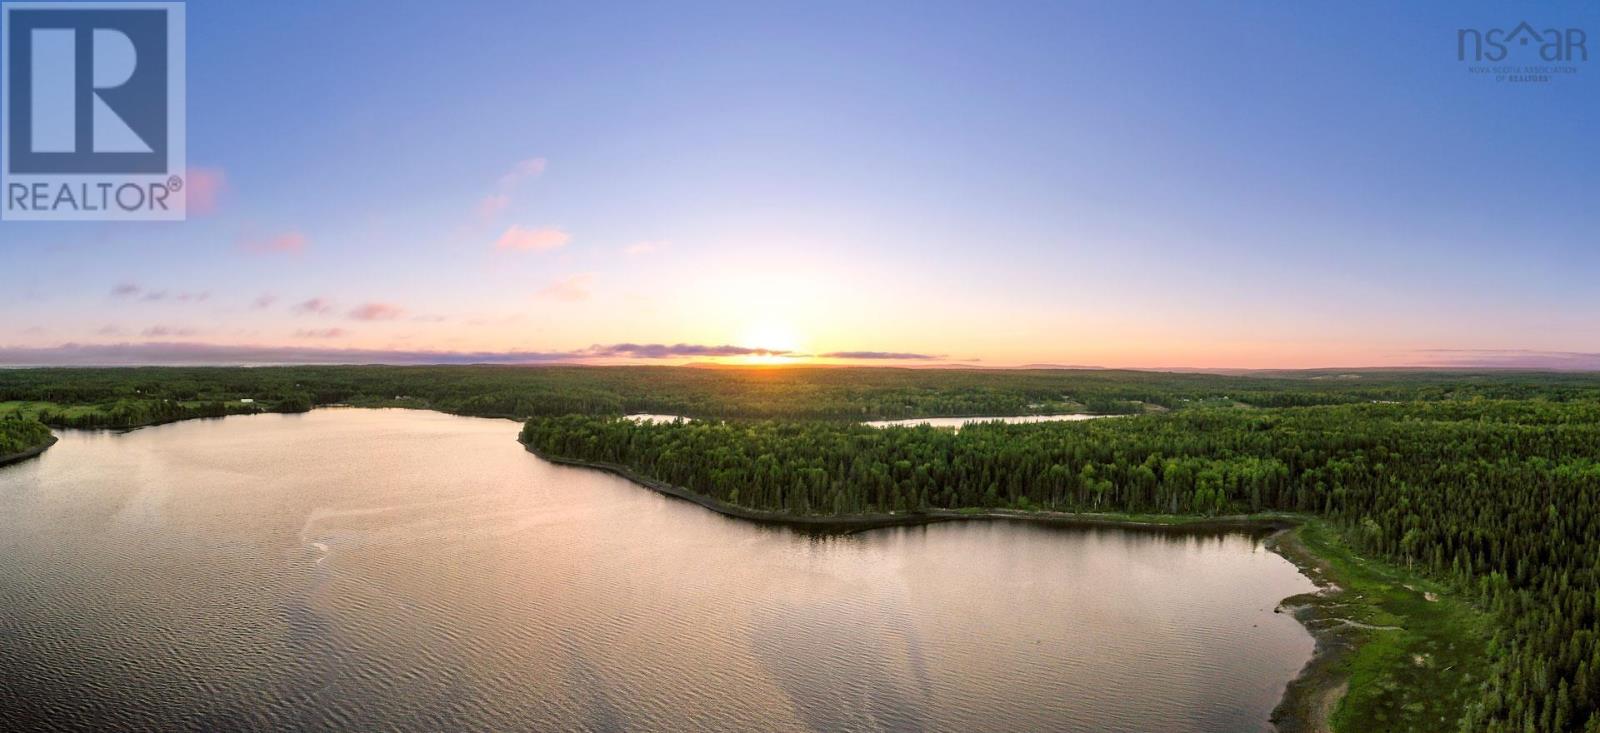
(1500, 498)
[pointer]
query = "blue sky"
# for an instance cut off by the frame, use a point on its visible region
(1122, 184)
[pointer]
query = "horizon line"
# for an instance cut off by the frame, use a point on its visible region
(201, 354)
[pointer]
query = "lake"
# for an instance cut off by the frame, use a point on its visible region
(957, 422)
(353, 569)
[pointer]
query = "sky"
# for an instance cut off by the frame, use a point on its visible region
(1129, 184)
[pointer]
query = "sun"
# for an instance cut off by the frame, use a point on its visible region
(773, 336)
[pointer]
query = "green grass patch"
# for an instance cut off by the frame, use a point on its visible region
(1427, 660)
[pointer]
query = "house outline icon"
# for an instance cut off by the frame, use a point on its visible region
(1517, 31)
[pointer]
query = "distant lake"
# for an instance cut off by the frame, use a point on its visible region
(956, 422)
(363, 570)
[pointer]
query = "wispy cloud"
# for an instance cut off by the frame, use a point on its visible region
(536, 240)
(524, 169)
(885, 355)
(286, 243)
(664, 351)
(492, 204)
(321, 333)
(204, 188)
(159, 331)
(315, 306)
(1511, 359)
(130, 291)
(264, 300)
(377, 312)
(646, 247)
(570, 289)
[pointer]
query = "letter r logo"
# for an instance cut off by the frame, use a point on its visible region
(55, 95)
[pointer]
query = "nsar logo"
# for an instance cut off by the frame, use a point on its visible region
(1523, 53)
(93, 110)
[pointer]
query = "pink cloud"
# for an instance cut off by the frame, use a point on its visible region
(134, 290)
(569, 289)
(645, 247)
(156, 331)
(321, 333)
(287, 243)
(377, 312)
(203, 187)
(318, 306)
(265, 300)
(524, 169)
(493, 204)
(538, 240)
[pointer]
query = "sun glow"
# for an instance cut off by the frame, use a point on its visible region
(773, 336)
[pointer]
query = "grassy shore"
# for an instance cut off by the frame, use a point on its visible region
(1396, 652)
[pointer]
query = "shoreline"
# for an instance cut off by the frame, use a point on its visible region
(1309, 698)
(862, 522)
(29, 453)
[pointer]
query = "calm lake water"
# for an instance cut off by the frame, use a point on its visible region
(956, 422)
(398, 570)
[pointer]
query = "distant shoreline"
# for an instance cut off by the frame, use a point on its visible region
(865, 521)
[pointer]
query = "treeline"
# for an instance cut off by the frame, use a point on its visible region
(136, 413)
(18, 435)
(1500, 498)
(812, 393)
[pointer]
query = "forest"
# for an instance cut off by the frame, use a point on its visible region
(128, 397)
(18, 434)
(1500, 499)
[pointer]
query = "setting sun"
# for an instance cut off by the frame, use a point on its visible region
(785, 345)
